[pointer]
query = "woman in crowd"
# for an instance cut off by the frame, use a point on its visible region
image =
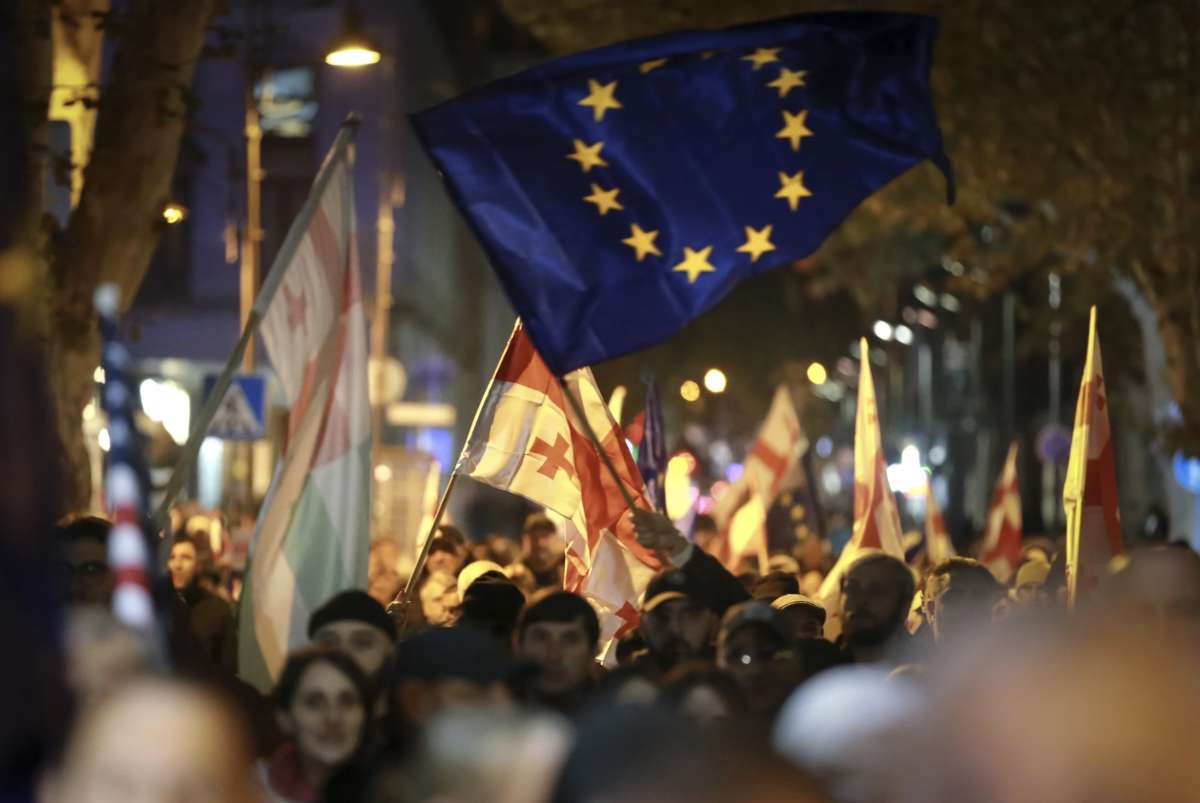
(322, 702)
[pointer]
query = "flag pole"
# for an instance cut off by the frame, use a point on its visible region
(283, 260)
(403, 599)
(577, 407)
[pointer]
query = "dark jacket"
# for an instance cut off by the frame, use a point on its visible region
(213, 626)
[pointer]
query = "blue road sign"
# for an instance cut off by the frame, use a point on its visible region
(242, 413)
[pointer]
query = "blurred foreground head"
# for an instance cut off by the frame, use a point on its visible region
(156, 741)
(1098, 710)
(1160, 589)
(647, 755)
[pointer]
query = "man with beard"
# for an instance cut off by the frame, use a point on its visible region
(959, 594)
(877, 592)
(542, 551)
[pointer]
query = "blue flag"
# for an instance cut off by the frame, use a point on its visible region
(622, 192)
(652, 456)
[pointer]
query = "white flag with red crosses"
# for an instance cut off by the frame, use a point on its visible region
(528, 441)
(1090, 490)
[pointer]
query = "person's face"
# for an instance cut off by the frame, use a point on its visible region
(367, 645)
(438, 601)
(544, 547)
(158, 744)
(763, 665)
(1029, 593)
(182, 565)
(872, 603)
(89, 581)
(326, 716)
(807, 621)
(383, 581)
(422, 700)
(563, 655)
(444, 562)
(954, 601)
(679, 629)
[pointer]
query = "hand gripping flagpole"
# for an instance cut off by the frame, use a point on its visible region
(266, 293)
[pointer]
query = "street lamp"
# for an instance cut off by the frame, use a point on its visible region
(689, 390)
(352, 47)
(715, 381)
(174, 212)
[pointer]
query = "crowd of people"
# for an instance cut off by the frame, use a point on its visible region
(928, 684)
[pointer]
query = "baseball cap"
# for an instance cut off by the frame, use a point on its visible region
(680, 582)
(749, 613)
(793, 600)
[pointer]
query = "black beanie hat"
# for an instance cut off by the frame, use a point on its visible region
(353, 605)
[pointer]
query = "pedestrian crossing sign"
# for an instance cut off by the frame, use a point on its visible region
(241, 413)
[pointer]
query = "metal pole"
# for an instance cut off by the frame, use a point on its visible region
(270, 285)
(252, 238)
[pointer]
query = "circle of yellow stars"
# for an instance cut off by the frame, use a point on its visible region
(601, 98)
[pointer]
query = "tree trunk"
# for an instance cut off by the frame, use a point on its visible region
(113, 232)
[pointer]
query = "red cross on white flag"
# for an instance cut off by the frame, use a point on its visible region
(1090, 490)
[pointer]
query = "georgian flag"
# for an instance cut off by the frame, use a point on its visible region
(876, 518)
(1090, 490)
(1001, 549)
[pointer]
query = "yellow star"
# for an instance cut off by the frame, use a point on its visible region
(788, 80)
(757, 243)
(792, 188)
(764, 55)
(694, 263)
(794, 129)
(642, 242)
(605, 200)
(653, 64)
(588, 156)
(600, 98)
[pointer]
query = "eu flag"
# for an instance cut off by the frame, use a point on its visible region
(622, 192)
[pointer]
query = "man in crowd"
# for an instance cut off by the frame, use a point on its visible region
(83, 544)
(959, 594)
(358, 625)
(211, 617)
(542, 551)
(683, 603)
(877, 592)
(559, 635)
(805, 616)
(756, 648)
